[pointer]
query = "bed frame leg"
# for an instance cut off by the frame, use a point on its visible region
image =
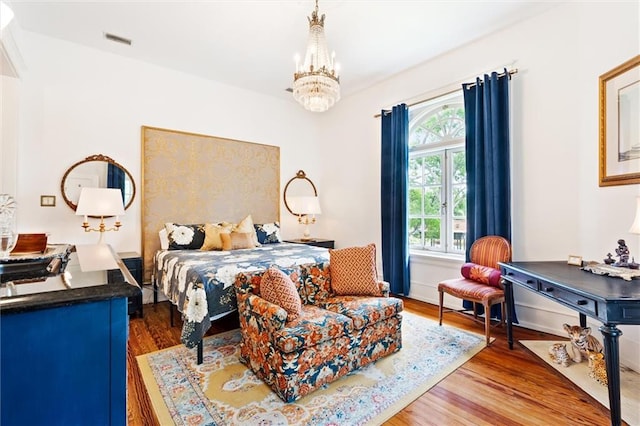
(200, 352)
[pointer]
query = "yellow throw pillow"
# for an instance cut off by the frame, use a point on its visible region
(212, 231)
(246, 225)
(277, 288)
(353, 271)
(236, 240)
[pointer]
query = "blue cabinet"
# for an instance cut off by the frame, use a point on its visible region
(63, 354)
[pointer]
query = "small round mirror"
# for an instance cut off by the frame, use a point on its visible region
(96, 171)
(298, 186)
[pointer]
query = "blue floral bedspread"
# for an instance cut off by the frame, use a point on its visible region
(200, 283)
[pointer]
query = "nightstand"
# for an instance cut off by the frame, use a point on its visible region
(317, 242)
(133, 262)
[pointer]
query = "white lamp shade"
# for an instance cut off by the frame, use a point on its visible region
(306, 205)
(100, 202)
(635, 227)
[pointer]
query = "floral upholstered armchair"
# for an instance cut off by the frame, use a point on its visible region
(309, 332)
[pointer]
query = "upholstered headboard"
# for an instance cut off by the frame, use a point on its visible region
(189, 178)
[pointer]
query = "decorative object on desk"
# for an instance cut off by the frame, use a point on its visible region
(619, 111)
(597, 367)
(306, 206)
(609, 260)
(558, 354)
(623, 253)
(626, 274)
(582, 342)
(102, 203)
(574, 260)
(30, 243)
(18, 267)
(8, 235)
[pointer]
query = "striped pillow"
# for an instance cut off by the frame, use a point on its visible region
(353, 271)
(276, 287)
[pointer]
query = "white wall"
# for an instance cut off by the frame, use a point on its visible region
(76, 101)
(558, 207)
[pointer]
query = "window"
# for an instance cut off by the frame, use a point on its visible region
(437, 175)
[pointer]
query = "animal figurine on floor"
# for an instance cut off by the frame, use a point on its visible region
(597, 367)
(581, 342)
(558, 354)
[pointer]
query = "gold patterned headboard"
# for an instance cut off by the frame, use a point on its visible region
(189, 178)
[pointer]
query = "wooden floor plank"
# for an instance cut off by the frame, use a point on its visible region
(496, 387)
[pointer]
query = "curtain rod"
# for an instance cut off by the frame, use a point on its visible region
(500, 74)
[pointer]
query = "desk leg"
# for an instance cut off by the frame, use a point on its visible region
(611, 334)
(508, 298)
(583, 320)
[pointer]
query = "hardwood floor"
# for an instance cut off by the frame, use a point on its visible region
(496, 387)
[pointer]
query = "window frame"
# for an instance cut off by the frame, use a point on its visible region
(446, 148)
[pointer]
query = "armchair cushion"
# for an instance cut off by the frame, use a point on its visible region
(276, 287)
(482, 274)
(314, 325)
(364, 311)
(353, 271)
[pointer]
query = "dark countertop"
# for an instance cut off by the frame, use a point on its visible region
(88, 273)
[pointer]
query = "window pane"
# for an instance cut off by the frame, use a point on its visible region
(459, 201)
(432, 201)
(415, 171)
(415, 201)
(459, 167)
(433, 170)
(415, 232)
(432, 233)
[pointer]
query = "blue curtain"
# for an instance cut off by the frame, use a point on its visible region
(394, 180)
(115, 178)
(486, 109)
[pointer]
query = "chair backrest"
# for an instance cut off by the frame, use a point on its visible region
(490, 250)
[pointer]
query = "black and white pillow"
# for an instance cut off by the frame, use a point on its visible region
(185, 237)
(268, 233)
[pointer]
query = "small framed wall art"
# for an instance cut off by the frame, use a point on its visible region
(574, 260)
(619, 124)
(47, 200)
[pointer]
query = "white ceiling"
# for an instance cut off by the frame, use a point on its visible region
(252, 43)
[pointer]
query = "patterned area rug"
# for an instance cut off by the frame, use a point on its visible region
(579, 375)
(222, 391)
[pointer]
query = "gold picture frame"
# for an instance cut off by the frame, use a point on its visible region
(574, 260)
(619, 125)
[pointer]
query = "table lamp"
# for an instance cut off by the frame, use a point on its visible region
(102, 203)
(305, 207)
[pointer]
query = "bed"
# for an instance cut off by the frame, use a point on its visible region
(200, 283)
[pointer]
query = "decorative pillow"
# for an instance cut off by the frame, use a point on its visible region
(276, 287)
(164, 239)
(246, 225)
(353, 271)
(185, 237)
(268, 233)
(237, 240)
(481, 274)
(212, 231)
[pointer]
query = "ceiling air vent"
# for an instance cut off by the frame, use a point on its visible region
(117, 39)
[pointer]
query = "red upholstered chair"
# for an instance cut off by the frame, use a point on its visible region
(485, 251)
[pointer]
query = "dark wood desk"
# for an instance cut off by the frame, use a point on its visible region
(611, 301)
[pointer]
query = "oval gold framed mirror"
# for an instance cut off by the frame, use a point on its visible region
(298, 186)
(96, 171)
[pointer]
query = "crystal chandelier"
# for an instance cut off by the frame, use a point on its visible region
(316, 85)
